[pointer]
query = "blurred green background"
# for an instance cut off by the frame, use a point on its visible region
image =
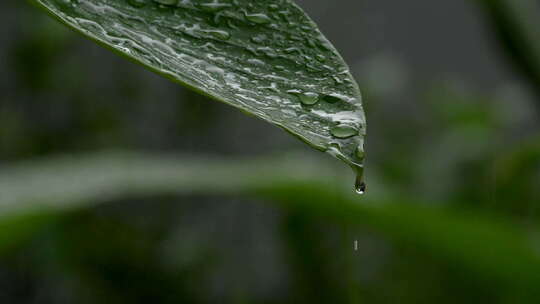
(118, 186)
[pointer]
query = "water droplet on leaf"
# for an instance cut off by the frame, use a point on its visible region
(273, 7)
(331, 98)
(213, 7)
(309, 98)
(167, 2)
(219, 34)
(292, 50)
(65, 3)
(137, 3)
(258, 39)
(320, 58)
(306, 98)
(267, 51)
(343, 131)
(258, 18)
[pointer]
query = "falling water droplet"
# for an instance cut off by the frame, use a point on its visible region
(258, 18)
(343, 131)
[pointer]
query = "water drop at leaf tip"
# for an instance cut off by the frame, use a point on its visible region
(361, 188)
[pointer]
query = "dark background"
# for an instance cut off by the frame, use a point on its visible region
(451, 122)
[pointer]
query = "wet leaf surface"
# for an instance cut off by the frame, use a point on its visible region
(266, 58)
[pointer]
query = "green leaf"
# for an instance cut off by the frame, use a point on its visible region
(266, 58)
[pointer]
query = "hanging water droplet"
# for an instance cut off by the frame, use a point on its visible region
(166, 2)
(343, 131)
(137, 3)
(258, 18)
(360, 186)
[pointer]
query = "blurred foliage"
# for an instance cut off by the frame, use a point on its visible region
(451, 214)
